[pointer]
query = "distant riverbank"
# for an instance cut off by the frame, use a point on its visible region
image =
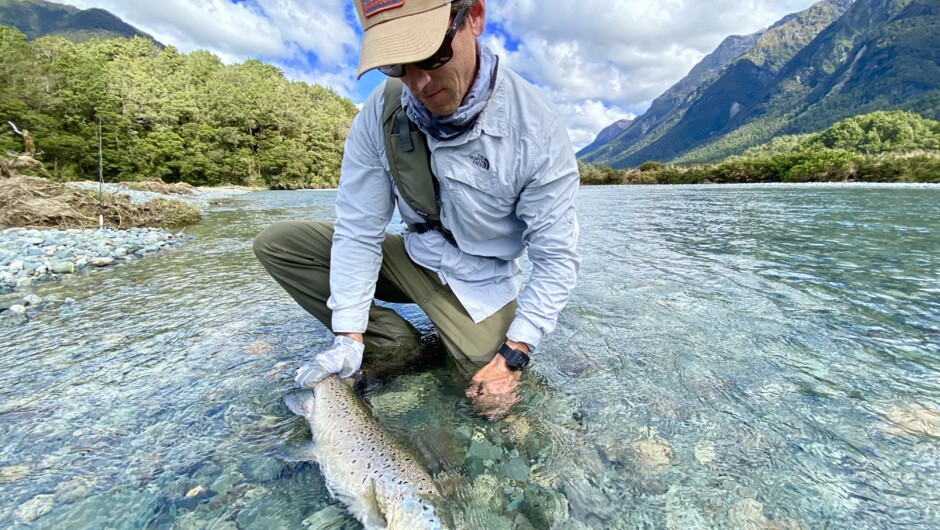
(818, 165)
(57, 240)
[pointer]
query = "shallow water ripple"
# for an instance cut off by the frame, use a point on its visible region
(734, 357)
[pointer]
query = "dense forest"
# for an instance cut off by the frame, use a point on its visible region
(884, 146)
(163, 114)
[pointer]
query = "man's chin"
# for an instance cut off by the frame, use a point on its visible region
(441, 111)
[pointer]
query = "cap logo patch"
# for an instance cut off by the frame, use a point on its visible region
(374, 7)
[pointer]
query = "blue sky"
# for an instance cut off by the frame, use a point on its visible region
(597, 60)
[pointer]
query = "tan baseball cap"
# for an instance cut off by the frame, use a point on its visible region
(400, 31)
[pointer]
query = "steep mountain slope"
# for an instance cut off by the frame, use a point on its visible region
(672, 104)
(718, 99)
(606, 135)
(881, 55)
(38, 18)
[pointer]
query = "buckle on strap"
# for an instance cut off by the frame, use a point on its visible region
(420, 228)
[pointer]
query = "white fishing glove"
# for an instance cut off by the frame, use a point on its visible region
(344, 357)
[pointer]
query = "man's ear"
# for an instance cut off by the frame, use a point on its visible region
(478, 18)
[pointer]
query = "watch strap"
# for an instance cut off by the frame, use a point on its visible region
(515, 359)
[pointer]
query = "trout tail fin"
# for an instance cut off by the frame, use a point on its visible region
(300, 402)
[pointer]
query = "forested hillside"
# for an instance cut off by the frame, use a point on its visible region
(179, 117)
(893, 146)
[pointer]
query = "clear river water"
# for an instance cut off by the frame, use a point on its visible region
(733, 357)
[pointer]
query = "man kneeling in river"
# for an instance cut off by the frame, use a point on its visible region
(481, 169)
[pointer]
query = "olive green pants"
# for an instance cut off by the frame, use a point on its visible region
(297, 255)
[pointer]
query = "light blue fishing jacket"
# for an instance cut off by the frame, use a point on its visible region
(507, 186)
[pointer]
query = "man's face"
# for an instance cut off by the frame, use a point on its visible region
(443, 89)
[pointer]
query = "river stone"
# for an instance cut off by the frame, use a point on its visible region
(116, 508)
(74, 490)
(748, 513)
(705, 452)
(654, 454)
(34, 508)
(269, 511)
(914, 420)
(226, 481)
(394, 404)
(15, 472)
(63, 267)
(263, 468)
(483, 449)
(516, 469)
(329, 518)
(102, 261)
(32, 300)
(545, 510)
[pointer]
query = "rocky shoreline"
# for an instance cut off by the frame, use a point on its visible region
(29, 256)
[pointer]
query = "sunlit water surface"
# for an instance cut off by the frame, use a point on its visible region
(733, 357)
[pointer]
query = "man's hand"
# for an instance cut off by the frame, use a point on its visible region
(344, 357)
(494, 389)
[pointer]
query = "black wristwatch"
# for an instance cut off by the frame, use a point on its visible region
(516, 359)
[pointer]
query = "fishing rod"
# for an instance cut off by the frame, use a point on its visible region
(100, 180)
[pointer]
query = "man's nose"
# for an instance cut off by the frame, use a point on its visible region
(416, 78)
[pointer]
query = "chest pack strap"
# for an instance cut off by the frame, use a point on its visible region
(409, 160)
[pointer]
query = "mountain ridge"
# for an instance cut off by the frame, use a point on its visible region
(39, 18)
(722, 99)
(880, 55)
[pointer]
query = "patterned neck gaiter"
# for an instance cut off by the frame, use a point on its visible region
(446, 127)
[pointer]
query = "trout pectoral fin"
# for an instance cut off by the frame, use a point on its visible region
(375, 517)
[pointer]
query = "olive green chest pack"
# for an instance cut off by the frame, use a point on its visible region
(409, 160)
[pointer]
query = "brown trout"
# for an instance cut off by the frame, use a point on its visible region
(380, 482)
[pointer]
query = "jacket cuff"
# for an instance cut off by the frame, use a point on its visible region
(350, 321)
(521, 330)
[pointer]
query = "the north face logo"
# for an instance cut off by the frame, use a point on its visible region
(481, 161)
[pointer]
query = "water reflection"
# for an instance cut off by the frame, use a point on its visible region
(733, 357)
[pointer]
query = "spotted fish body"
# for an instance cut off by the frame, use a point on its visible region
(378, 480)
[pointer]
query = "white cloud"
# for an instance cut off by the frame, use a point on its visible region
(619, 54)
(312, 38)
(598, 60)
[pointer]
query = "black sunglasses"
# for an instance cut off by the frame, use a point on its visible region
(444, 53)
